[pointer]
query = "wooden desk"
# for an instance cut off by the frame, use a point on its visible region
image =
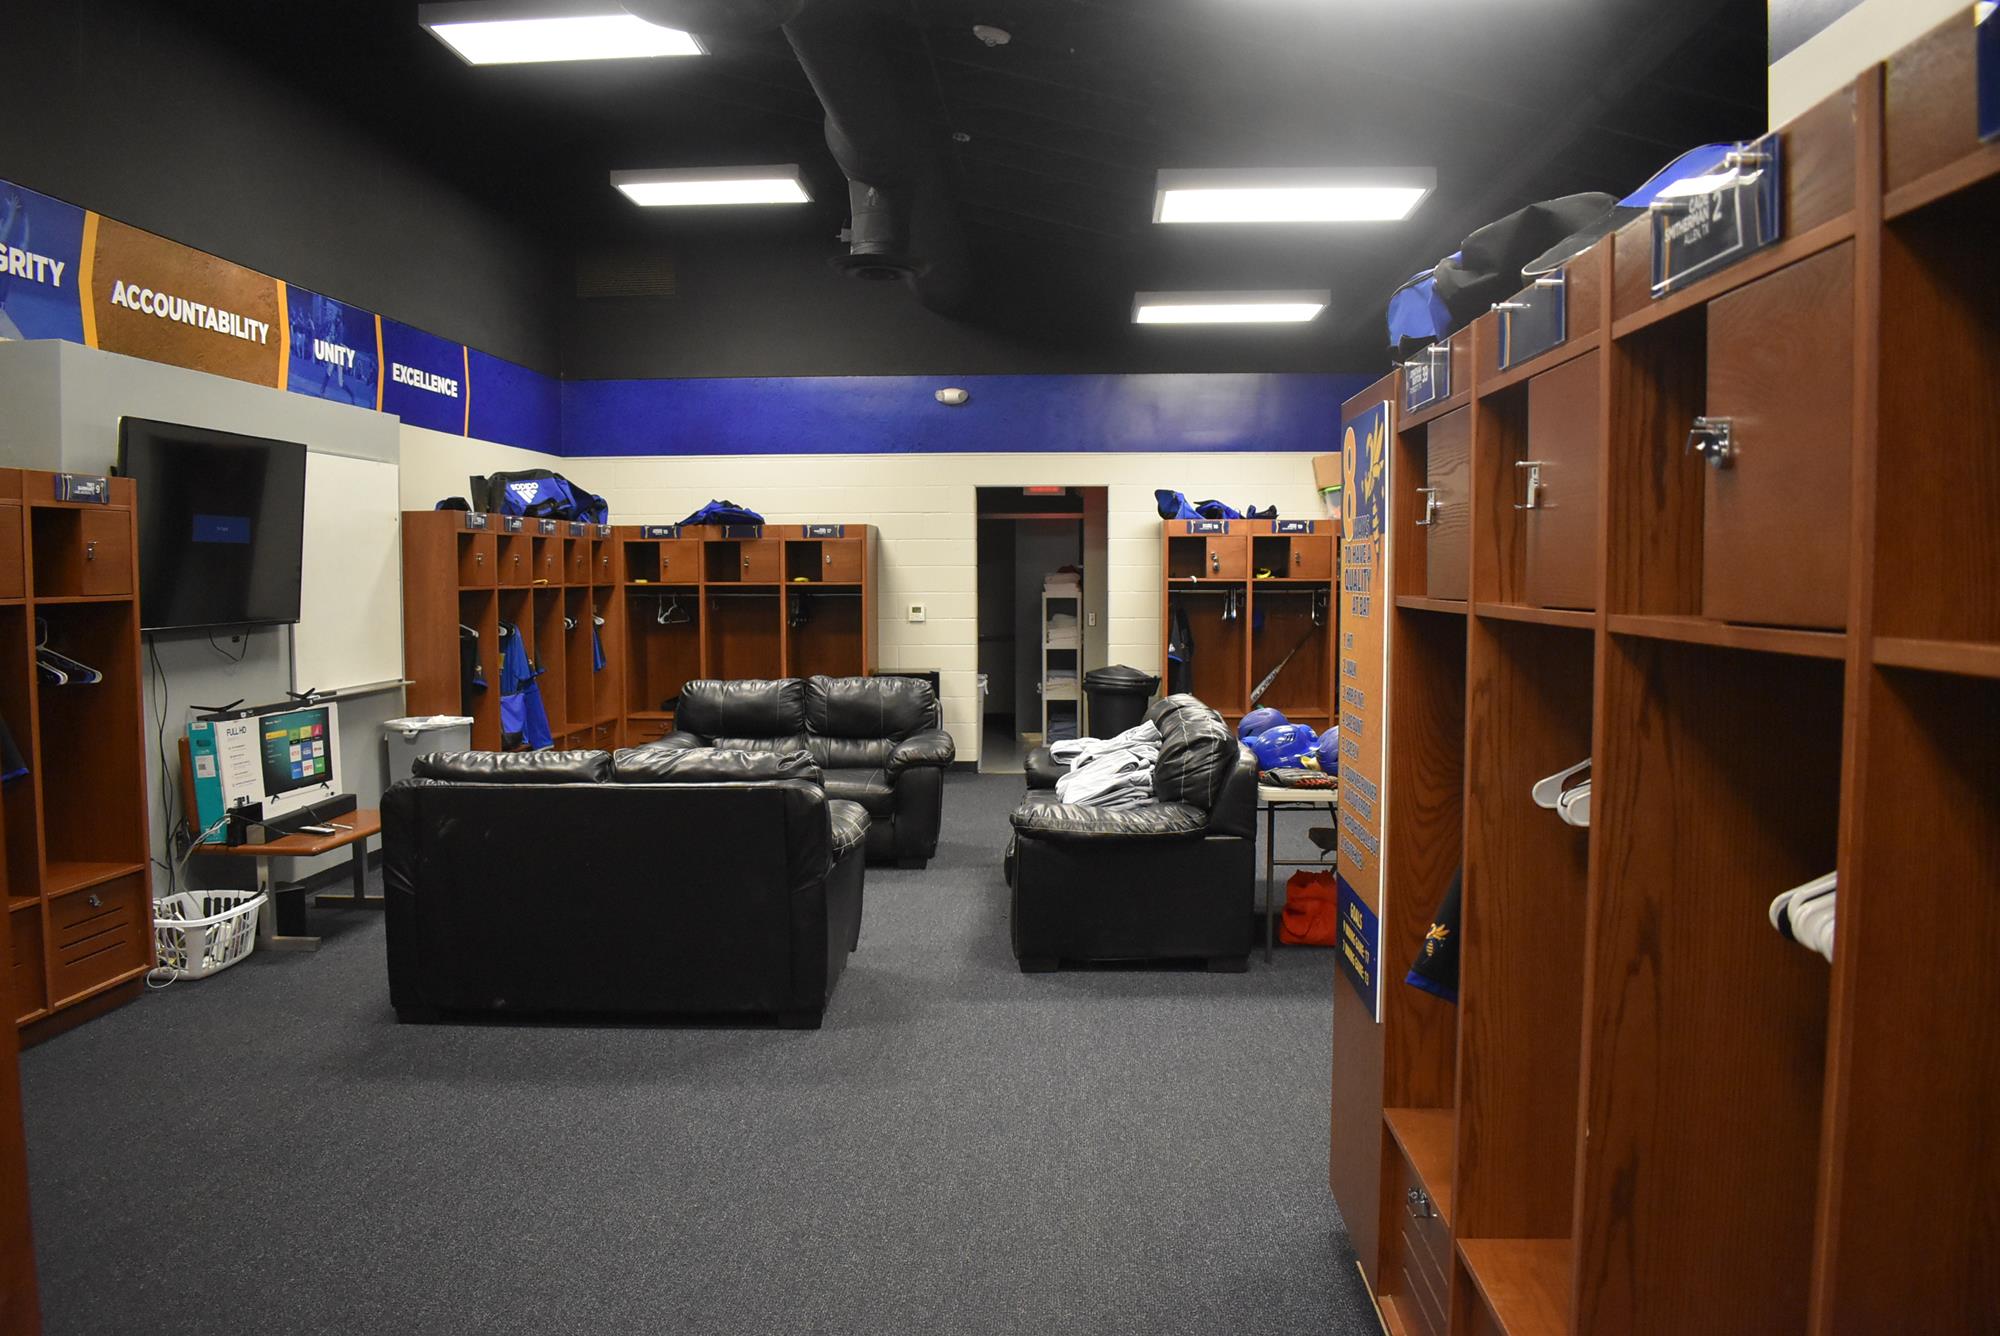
(287, 933)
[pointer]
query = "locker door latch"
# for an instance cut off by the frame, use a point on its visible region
(1214, 562)
(1710, 438)
(1431, 506)
(1533, 496)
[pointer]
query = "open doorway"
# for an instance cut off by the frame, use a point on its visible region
(1042, 586)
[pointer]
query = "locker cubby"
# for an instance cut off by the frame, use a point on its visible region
(81, 551)
(479, 610)
(1300, 620)
(722, 562)
(1543, 430)
(744, 634)
(823, 633)
(804, 560)
(548, 569)
(1432, 535)
(517, 559)
(93, 789)
(642, 562)
(579, 660)
(1914, 1159)
(478, 560)
(552, 655)
(1215, 671)
(22, 819)
(661, 657)
(1524, 913)
(603, 562)
(1938, 479)
(1716, 788)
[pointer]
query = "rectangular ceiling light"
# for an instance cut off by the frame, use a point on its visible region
(1290, 196)
(778, 184)
(509, 32)
(1227, 308)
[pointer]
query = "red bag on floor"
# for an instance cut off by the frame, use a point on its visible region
(1312, 910)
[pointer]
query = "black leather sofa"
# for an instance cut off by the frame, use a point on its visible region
(643, 884)
(1170, 880)
(877, 739)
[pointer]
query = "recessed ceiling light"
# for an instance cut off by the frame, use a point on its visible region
(508, 32)
(1290, 196)
(669, 186)
(1227, 308)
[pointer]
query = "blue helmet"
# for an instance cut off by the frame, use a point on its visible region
(1258, 720)
(1328, 750)
(1284, 745)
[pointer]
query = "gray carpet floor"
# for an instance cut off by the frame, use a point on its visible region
(963, 1148)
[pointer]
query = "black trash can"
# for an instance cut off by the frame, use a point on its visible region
(1118, 698)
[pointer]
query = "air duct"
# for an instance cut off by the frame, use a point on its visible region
(902, 223)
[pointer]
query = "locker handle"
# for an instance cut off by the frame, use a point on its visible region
(1534, 488)
(1431, 507)
(1214, 561)
(1711, 438)
(90, 550)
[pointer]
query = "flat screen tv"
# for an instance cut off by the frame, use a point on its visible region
(221, 525)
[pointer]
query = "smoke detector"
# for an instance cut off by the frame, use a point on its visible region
(991, 35)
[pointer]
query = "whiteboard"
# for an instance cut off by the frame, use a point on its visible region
(350, 628)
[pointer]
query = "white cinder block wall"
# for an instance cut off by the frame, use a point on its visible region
(924, 507)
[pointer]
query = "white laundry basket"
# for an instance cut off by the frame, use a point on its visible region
(198, 933)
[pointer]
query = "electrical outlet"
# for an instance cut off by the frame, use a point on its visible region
(916, 612)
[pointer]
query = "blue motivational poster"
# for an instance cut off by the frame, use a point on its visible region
(423, 378)
(41, 245)
(334, 349)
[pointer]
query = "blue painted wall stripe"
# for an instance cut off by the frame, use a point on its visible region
(1006, 414)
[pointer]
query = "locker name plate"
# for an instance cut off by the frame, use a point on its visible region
(546, 526)
(1536, 320)
(474, 520)
(1427, 377)
(1291, 526)
(659, 531)
(1208, 526)
(83, 487)
(512, 523)
(742, 531)
(826, 531)
(1709, 222)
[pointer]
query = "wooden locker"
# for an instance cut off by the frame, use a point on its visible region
(1312, 558)
(763, 560)
(841, 560)
(1775, 508)
(1561, 528)
(1448, 469)
(680, 561)
(1228, 557)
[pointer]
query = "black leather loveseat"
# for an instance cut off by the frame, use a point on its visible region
(877, 739)
(642, 884)
(1170, 880)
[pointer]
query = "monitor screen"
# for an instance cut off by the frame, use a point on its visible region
(296, 747)
(221, 524)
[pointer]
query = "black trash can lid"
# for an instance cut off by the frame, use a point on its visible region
(1120, 677)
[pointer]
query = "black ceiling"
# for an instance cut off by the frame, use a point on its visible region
(1063, 128)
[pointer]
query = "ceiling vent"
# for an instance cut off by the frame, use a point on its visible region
(625, 273)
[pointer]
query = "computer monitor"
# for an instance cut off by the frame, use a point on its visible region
(299, 751)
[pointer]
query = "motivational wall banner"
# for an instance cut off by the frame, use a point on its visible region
(1364, 703)
(68, 273)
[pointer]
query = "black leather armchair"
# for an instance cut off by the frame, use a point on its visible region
(1172, 879)
(877, 739)
(642, 884)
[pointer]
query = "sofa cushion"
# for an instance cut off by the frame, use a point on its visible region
(870, 788)
(1047, 820)
(851, 753)
(1197, 751)
(533, 767)
(869, 707)
(710, 765)
(849, 825)
(784, 742)
(748, 708)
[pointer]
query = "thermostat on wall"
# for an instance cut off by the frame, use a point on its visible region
(916, 612)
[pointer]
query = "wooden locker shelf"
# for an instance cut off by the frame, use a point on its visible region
(1525, 1283)
(74, 842)
(1427, 1137)
(1664, 1116)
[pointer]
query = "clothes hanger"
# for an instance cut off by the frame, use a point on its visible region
(1548, 792)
